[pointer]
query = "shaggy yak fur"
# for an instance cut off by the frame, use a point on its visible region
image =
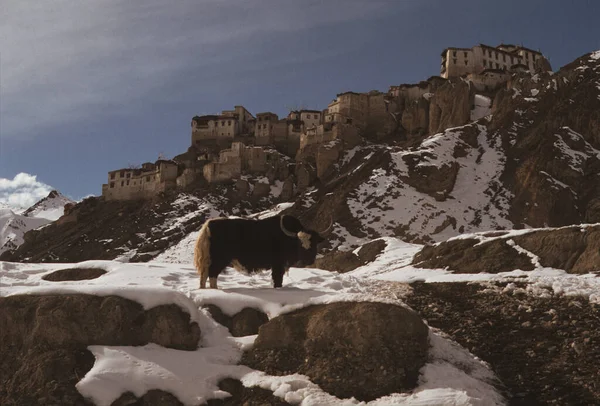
(274, 243)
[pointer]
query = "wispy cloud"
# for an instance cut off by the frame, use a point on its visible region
(66, 60)
(22, 191)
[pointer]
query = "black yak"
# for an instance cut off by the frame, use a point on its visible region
(275, 243)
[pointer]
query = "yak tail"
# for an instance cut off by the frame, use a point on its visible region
(202, 254)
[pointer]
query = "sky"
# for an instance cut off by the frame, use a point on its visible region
(91, 86)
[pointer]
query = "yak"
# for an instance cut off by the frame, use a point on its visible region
(250, 245)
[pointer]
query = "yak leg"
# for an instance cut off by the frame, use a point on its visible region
(203, 279)
(277, 273)
(215, 268)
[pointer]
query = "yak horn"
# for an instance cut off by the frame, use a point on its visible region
(328, 227)
(285, 231)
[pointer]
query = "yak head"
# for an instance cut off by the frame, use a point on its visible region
(307, 240)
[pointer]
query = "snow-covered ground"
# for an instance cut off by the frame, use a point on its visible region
(193, 376)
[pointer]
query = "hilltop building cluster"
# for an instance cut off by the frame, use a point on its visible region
(480, 58)
(301, 147)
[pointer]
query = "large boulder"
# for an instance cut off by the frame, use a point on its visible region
(363, 350)
(346, 261)
(573, 249)
(246, 322)
(45, 339)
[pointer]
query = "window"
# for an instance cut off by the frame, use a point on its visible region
(127, 183)
(466, 62)
(112, 184)
(229, 122)
(497, 66)
(122, 174)
(465, 54)
(122, 183)
(222, 123)
(147, 178)
(484, 63)
(129, 174)
(454, 61)
(112, 175)
(454, 54)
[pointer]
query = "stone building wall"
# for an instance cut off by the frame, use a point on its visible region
(461, 61)
(129, 184)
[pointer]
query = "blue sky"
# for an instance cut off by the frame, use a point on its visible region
(92, 86)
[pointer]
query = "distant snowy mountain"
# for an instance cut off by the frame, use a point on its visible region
(50, 207)
(14, 223)
(14, 226)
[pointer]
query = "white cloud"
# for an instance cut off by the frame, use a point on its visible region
(22, 191)
(67, 60)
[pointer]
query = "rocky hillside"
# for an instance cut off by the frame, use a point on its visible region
(533, 162)
(131, 230)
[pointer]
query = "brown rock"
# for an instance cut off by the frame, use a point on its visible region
(464, 257)
(74, 274)
(365, 350)
(415, 117)
(346, 261)
(244, 323)
(327, 155)
(261, 190)
(45, 339)
(240, 395)
(450, 106)
(242, 187)
(572, 249)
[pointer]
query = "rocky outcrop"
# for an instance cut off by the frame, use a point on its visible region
(327, 155)
(244, 323)
(573, 249)
(346, 261)
(45, 339)
(415, 117)
(74, 274)
(450, 106)
(362, 350)
(550, 127)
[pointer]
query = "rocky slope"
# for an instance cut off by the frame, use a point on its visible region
(534, 162)
(131, 230)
